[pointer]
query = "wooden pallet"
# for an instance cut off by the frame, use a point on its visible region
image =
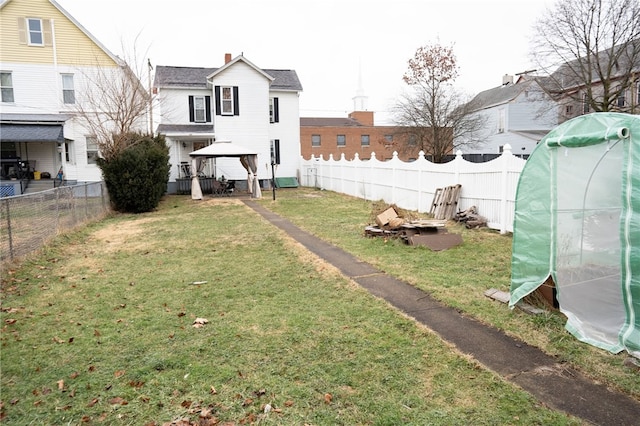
(445, 202)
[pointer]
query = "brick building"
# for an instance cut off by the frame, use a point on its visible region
(355, 134)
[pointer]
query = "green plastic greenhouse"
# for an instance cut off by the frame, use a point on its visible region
(577, 221)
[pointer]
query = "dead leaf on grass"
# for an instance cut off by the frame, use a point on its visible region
(118, 401)
(136, 384)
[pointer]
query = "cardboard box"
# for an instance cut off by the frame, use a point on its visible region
(383, 218)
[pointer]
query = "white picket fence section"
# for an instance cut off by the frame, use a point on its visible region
(490, 186)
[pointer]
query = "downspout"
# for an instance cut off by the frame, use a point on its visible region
(54, 48)
(55, 54)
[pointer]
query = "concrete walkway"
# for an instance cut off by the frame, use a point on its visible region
(555, 385)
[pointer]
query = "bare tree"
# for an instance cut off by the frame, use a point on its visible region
(434, 113)
(594, 48)
(113, 104)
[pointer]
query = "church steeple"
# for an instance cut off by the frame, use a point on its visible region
(360, 100)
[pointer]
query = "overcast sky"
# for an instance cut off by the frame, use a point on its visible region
(331, 44)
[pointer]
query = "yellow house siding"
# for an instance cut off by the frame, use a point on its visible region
(72, 45)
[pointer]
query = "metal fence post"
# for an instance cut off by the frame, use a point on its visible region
(505, 157)
(86, 201)
(9, 232)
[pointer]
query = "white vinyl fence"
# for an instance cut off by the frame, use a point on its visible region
(490, 186)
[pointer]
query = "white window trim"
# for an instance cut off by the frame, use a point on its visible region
(197, 110)
(272, 112)
(226, 105)
(29, 31)
(68, 77)
(2, 88)
(94, 151)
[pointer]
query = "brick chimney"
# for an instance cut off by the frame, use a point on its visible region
(363, 117)
(227, 58)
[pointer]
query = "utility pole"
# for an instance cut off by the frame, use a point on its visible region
(150, 98)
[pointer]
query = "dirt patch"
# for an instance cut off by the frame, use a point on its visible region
(219, 201)
(122, 235)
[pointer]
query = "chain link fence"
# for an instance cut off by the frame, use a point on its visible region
(29, 221)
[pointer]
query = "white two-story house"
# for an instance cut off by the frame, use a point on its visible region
(239, 102)
(519, 114)
(48, 64)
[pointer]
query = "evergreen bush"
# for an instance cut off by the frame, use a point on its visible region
(137, 177)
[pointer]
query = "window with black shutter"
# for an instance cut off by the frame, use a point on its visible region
(227, 100)
(274, 113)
(199, 109)
(275, 151)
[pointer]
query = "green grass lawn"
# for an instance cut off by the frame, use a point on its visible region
(458, 276)
(98, 328)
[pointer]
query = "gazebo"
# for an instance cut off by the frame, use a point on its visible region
(248, 158)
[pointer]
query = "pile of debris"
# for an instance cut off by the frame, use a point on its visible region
(431, 233)
(471, 218)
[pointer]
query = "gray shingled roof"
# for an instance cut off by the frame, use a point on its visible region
(185, 128)
(284, 79)
(329, 122)
(569, 75)
(505, 93)
(31, 133)
(182, 76)
(193, 77)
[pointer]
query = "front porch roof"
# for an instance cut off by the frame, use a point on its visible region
(31, 133)
(186, 131)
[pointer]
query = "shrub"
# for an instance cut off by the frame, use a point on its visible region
(137, 177)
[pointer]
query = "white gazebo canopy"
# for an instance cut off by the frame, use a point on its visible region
(248, 158)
